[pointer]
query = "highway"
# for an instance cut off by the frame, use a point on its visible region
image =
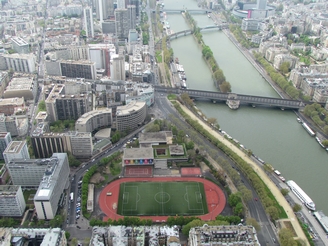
(267, 235)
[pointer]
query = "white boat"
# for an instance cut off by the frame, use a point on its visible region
(299, 120)
(308, 129)
(305, 199)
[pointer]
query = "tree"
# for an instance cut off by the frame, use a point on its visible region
(190, 145)
(254, 223)
(42, 106)
(57, 221)
(153, 128)
(284, 192)
(72, 161)
(286, 238)
(297, 207)
(234, 199)
(225, 87)
(73, 242)
(284, 67)
(212, 121)
(67, 235)
(273, 212)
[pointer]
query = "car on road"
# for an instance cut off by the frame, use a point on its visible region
(78, 227)
(256, 199)
(77, 216)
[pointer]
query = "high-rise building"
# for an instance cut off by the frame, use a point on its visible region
(135, 3)
(78, 69)
(5, 139)
(12, 202)
(53, 182)
(117, 68)
(16, 150)
(88, 22)
(132, 16)
(62, 107)
(122, 23)
(121, 4)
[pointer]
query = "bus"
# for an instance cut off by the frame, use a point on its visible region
(72, 196)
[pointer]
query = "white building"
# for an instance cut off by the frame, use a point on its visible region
(46, 199)
(16, 150)
(12, 202)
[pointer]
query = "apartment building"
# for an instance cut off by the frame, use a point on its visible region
(24, 63)
(94, 120)
(8, 105)
(131, 116)
(24, 86)
(5, 139)
(20, 45)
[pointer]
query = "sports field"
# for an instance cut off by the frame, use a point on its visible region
(161, 198)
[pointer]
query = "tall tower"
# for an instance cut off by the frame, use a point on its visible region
(132, 16)
(121, 23)
(88, 22)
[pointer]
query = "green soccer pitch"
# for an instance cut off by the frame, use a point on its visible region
(162, 198)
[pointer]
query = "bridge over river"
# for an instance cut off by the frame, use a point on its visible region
(234, 100)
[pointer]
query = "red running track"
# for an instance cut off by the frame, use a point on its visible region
(215, 197)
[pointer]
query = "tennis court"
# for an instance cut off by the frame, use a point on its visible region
(161, 198)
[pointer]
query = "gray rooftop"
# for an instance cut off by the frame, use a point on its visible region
(152, 137)
(138, 153)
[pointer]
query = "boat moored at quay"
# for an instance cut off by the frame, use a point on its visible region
(305, 199)
(308, 129)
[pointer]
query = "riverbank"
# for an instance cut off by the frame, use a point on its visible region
(273, 188)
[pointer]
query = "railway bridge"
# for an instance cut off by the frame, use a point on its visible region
(234, 99)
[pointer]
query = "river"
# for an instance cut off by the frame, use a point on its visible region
(273, 135)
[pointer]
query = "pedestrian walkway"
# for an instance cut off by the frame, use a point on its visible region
(274, 189)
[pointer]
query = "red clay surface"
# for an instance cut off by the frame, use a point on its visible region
(215, 197)
(138, 171)
(190, 171)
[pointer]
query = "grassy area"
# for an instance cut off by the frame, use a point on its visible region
(29, 194)
(162, 198)
(172, 97)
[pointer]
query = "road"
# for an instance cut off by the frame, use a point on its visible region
(267, 236)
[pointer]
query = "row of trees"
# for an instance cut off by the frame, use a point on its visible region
(126, 221)
(85, 189)
(279, 79)
(319, 116)
(144, 27)
(218, 76)
(241, 38)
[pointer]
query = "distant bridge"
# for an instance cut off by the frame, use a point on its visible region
(191, 11)
(188, 32)
(243, 99)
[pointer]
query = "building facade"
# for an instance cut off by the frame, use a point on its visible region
(94, 120)
(24, 63)
(88, 22)
(12, 202)
(46, 199)
(131, 116)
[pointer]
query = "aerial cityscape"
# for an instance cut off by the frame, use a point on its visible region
(161, 122)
